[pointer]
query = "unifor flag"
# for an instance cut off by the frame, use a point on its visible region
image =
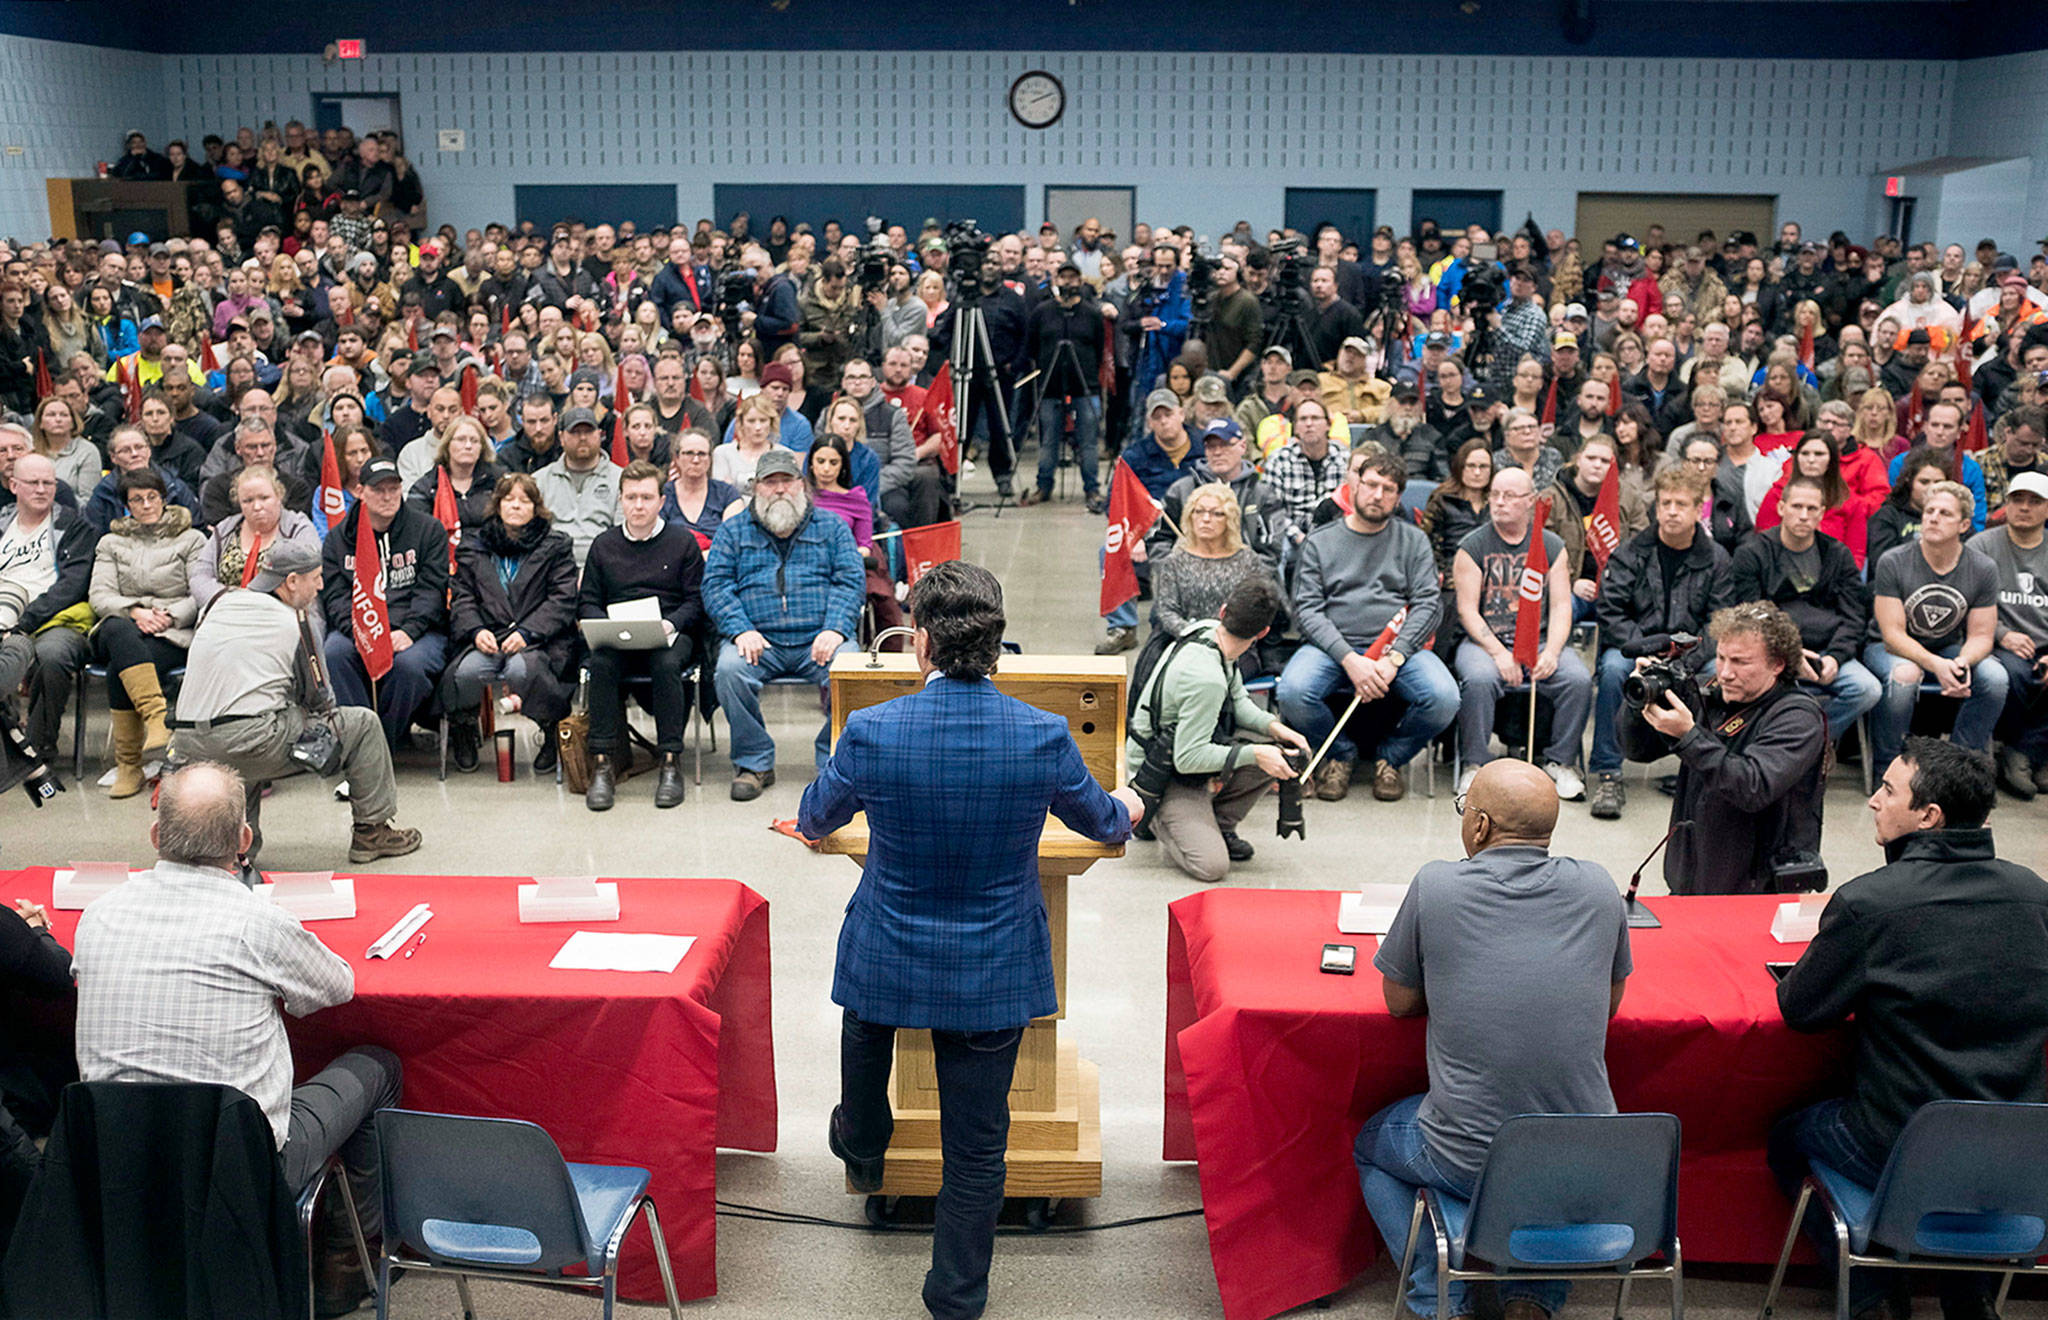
(370, 615)
(330, 501)
(1131, 515)
(1603, 529)
(938, 411)
(925, 547)
(1529, 605)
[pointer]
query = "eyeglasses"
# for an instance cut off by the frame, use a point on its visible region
(1701, 462)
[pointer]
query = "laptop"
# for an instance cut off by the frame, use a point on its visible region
(623, 634)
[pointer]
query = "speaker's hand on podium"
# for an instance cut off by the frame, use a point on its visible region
(1129, 797)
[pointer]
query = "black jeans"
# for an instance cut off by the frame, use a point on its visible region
(974, 1069)
(608, 671)
(120, 645)
(331, 1112)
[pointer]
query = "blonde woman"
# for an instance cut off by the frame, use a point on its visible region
(931, 291)
(754, 430)
(1208, 560)
(58, 435)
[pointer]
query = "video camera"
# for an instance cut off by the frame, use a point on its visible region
(1482, 290)
(967, 256)
(1291, 264)
(1648, 686)
(1202, 282)
(21, 763)
(871, 271)
(1289, 820)
(735, 291)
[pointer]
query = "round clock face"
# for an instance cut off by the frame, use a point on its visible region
(1038, 99)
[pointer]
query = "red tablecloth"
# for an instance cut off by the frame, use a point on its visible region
(1272, 1066)
(619, 1067)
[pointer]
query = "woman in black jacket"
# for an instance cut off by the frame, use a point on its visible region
(1897, 520)
(464, 459)
(19, 340)
(515, 615)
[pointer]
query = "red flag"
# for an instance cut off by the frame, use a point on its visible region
(467, 389)
(1387, 634)
(924, 547)
(131, 383)
(447, 514)
(1806, 347)
(697, 390)
(412, 333)
(1131, 515)
(1614, 396)
(330, 504)
(622, 398)
(1529, 608)
(504, 318)
(209, 355)
(1974, 436)
(938, 409)
(1603, 530)
(1916, 411)
(44, 385)
(1549, 417)
(369, 613)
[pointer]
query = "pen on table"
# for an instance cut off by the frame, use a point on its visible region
(416, 944)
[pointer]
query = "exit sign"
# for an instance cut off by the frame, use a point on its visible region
(350, 48)
(1894, 186)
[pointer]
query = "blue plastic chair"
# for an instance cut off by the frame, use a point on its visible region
(309, 1201)
(1965, 1189)
(1562, 1196)
(493, 1198)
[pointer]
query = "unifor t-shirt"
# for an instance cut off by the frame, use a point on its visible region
(1516, 952)
(2022, 582)
(1937, 605)
(1500, 576)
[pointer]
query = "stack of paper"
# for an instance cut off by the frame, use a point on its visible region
(611, 951)
(82, 882)
(1370, 910)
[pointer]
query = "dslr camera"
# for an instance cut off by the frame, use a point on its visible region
(1482, 290)
(1647, 686)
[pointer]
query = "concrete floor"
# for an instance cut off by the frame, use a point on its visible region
(1046, 558)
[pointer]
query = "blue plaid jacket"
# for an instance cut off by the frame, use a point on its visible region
(947, 928)
(788, 591)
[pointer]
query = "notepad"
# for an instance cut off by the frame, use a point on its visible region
(80, 883)
(1370, 909)
(612, 951)
(311, 895)
(644, 608)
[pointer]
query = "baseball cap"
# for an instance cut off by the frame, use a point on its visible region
(1357, 342)
(1048, 228)
(430, 249)
(1222, 431)
(2033, 483)
(1161, 398)
(1437, 339)
(778, 462)
(1626, 242)
(1810, 246)
(932, 244)
(138, 239)
(1280, 351)
(287, 557)
(778, 372)
(441, 331)
(1405, 394)
(380, 469)
(576, 417)
(150, 323)
(159, 249)
(1302, 377)
(1606, 296)
(1564, 341)
(1210, 389)
(308, 337)
(1479, 397)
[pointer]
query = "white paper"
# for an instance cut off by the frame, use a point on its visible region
(401, 931)
(312, 895)
(1370, 909)
(73, 887)
(1791, 925)
(612, 951)
(647, 608)
(563, 898)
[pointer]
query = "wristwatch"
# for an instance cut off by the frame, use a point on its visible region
(1395, 658)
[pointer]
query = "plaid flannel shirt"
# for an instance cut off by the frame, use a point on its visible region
(787, 589)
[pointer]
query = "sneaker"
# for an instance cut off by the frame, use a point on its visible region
(1097, 505)
(1118, 641)
(749, 784)
(1389, 784)
(1608, 797)
(1333, 780)
(1570, 788)
(2016, 774)
(1668, 785)
(369, 842)
(1465, 778)
(1239, 850)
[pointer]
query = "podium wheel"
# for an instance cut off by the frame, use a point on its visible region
(880, 1211)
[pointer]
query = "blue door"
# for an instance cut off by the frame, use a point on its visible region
(999, 209)
(1352, 210)
(1454, 208)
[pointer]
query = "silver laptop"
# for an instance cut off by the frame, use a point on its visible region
(623, 634)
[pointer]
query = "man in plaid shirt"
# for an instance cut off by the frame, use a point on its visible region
(181, 972)
(784, 585)
(1524, 331)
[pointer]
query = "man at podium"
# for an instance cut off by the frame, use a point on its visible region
(947, 930)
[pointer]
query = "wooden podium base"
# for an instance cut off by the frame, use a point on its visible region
(1055, 1153)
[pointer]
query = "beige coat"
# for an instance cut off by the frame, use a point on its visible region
(150, 566)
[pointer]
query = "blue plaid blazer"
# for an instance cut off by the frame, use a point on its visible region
(948, 928)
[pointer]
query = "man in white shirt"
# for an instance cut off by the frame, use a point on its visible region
(181, 973)
(45, 568)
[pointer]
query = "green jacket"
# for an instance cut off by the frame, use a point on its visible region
(1197, 683)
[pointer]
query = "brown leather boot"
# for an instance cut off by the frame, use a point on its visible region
(148, 696)
(128, 779)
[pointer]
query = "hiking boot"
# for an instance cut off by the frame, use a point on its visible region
(604, 784)
(749, 784)
(1389, 784)
(1608, 797)
(1333, 780)
(465, 739)
(368, 842)
(1033, 496)
(1118, 641)
(668, 785)
(1239, 850)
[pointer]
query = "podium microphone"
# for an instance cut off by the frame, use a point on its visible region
(1640, 917)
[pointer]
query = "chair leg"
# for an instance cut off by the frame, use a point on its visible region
(1621, 1297)
(442, 742)
(661, 1261)
(1785, 1256)
(1841, 1271)
(1677, 1282)
(2004, 1287)
(1408, 1255)
(355, 1223)
(462, 1291)
(309, 1206)
(383, 1288)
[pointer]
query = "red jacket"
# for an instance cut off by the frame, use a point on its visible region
(1848, 522)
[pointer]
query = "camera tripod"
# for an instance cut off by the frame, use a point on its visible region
(975, 383)
(1291, 329)
(1064, 354)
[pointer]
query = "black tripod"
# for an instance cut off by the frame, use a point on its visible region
(1064, 353)
(1290, 328)
(1388, 328)
(976, 383)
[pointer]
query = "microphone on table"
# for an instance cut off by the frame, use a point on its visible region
(1640, 917)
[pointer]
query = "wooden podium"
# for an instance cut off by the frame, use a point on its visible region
(1055, 1098)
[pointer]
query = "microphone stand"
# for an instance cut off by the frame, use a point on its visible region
(1640, 917)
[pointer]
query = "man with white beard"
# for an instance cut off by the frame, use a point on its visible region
(784, 587)
(1407, 436)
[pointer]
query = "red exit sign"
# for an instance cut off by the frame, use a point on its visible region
(350, 48)
(1894, 186)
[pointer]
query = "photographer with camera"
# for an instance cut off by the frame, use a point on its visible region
(1189, 718)
(256, 698)
(1066, 339)
(1667, 579)
(976, 287)
(1751, 763)
(1158, 319)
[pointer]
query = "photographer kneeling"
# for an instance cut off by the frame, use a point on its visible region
(1751, 778)
(1185, 724)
